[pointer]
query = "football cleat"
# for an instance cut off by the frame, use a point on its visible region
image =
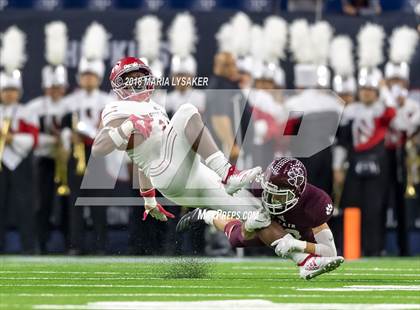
(236, 180)
(316, 266)
(189, 219)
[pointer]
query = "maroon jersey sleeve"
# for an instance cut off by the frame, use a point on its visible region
(322, 207)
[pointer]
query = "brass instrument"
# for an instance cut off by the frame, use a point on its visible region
(7, 122)
(78, 148)
(413, 168)
(61, 170)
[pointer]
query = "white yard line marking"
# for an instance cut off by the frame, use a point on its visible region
(367, 288)
(347, 268)
(214, 274)
(56, 272)
(203, 295)
(227, 305)
(136, 286)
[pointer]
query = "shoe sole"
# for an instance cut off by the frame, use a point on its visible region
(253, 175)
(327, 268)
(185, 224)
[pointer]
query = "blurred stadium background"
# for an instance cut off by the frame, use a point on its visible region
(47, 225)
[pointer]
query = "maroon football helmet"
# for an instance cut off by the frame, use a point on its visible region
(134, 87)
(283, 184)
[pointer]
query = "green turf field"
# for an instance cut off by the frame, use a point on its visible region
(80, 283)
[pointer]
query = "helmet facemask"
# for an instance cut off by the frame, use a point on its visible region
(134, 84)
(277, 201)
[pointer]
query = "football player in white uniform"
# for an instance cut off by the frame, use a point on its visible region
(167, 153)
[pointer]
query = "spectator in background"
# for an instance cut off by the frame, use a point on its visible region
(361, 7)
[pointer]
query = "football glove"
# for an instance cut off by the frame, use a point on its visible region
(287, 245)
(258, 221)
(153, 208)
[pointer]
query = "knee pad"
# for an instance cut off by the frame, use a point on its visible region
(233, 233)
(183, 115)
(186, 111)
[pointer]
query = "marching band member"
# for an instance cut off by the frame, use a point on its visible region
(148, 34)
(345, 86)
(18, 136)
(367, 123)
(85, 105)
(403, 42)
(53, 148)
(268, 114)
(310, 47)
(182, 38)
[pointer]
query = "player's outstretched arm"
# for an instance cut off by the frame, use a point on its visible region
(325, 245)
(151, 206)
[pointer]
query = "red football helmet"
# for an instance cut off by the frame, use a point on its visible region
(283, 184)
(134, 87)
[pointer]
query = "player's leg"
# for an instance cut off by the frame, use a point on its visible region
(310, 265)
(199, 137)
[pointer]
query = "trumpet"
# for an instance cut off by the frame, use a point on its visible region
(61, 170)
(413, 169)
(78, 149)
(5, 128)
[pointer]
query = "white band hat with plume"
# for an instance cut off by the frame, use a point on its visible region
(268, 48)
(182, 40)
(370, 41)
(403, 43)
(233, 38)
(341, 60)
(12, 57)
(310, 45)
(241, 44)
(56, 40)
(148, 34)
(94, 50)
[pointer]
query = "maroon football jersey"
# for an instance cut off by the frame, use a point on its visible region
(313, 209)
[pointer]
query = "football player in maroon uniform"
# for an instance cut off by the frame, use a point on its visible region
(301, 209)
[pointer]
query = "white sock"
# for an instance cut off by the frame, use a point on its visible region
(218, 163)
(209, 216)
(298, 258)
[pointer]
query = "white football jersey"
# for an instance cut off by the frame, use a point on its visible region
(144, 154)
